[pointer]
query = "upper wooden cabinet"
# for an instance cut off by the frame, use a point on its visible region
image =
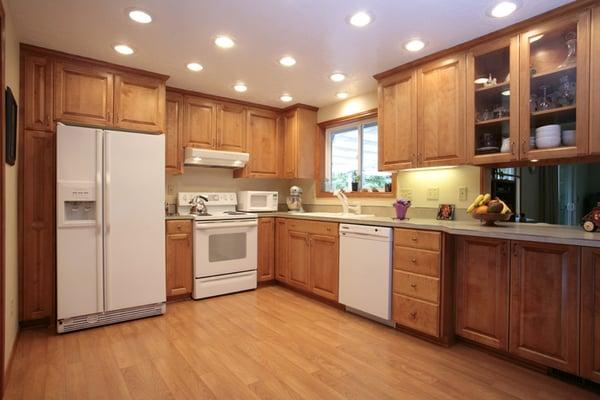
(493, 102)
(544, 304)
(231, 127)
(139, 103)
(262, 138)
(595, 84)
(299, 133)
(397, 120)
(174, 133)
(200, 123)
(83, 94)
(266, 250)
(590, 314)
(37, 96)
(441, 112)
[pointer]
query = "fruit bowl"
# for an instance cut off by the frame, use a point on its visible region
(490, 219)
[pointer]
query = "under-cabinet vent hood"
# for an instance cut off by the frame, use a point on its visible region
(215, 158)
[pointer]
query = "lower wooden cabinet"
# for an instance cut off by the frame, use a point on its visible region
(482, 288)
(324, 266)
(590, 314)
(266, 250)
(544, 304)
(281, 239)
(179, 258)
(298, 257)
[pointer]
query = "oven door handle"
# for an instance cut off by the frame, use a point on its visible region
(232, 224)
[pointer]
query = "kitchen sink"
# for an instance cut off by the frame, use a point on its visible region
(334, 215)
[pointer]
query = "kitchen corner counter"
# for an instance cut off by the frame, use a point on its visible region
(176, 217)
(545, 233)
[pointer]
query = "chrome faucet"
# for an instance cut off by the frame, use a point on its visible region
(198, 205)
(346, 208)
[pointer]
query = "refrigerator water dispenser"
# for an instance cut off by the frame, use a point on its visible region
(77, 203)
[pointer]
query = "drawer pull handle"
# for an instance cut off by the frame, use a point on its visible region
(178, 227)
(413, 285)
(413, 260)
(414, 239)
(413, 315)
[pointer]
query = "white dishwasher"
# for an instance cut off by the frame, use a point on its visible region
(366, 270)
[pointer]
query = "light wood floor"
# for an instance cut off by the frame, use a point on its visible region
(267, 344)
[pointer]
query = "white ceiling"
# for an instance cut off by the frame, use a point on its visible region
(315, 32)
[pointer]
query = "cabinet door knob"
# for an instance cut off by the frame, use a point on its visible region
(413, 260)
(413, 315)
(414, 238)
(413, 285)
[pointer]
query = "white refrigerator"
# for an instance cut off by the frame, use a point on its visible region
(110, 226)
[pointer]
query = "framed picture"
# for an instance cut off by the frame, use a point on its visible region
(11, 127)
(446, 212)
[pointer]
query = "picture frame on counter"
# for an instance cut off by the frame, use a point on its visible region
(446, 212)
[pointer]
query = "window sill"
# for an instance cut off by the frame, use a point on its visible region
(382, 195)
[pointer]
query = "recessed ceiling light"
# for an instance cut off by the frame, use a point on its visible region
(536, 38)
(360, 19)
(337, 76)
(224, 42)
(414, 45)
(194, 66)
(341, 95)
(123, 49)
(287, 61)
(140, 16)
(503, 9)
(240, 87)
(506, 93)
(286, 98)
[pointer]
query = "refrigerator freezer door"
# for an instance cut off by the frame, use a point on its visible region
(134, 242)
(79, 268)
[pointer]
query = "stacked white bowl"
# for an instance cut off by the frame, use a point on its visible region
(547, 136)
(568, 138)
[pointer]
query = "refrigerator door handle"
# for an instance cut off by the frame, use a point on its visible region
(106, 208)
(99, 219)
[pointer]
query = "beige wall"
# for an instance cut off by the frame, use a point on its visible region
(353, 105)
(11, 284)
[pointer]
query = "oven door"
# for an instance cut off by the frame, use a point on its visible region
(225, 247)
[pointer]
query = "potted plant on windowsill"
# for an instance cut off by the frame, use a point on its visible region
(355, 181)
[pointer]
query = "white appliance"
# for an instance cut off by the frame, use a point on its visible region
(257, 201)
(110, 237)
(225, 245)
(215, 158)
(366, 270)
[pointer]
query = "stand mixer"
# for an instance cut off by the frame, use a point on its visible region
(294, 200)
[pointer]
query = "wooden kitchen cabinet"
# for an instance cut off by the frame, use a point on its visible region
(231, 127)
(179, 259)
(441, 112)
(200, 123)
(174, 133)
(544, 304)
(482, 290)
(397, 122)
(324, 266)
(37, 93)
(266, 249)
(139, 103)
(590, 314)
(281, 240)
(299, 133)
(298, 259)
(83, 94)
(595, 84)
(37, 247)
(262, 143)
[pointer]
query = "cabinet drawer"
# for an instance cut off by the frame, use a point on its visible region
(314, 227)
(179, 226)
(425, 240)
(416, 314)
(417, 261)
(417, 286)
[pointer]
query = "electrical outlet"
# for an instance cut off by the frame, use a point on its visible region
(405, 193)
(462, 193)
(433, 193)
(170, 189)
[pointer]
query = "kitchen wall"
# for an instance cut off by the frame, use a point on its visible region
(353, 105)
(11, 263)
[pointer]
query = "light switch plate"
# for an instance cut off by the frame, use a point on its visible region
(463, 193)
(405, 193)
(433, 193)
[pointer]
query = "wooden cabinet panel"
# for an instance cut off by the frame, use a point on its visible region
(179, 258)
(290, 130)
(281, 237)
(544, 304)
(139, 103)
(231, 127)
(397, 123)
(200, 123)
(38, 268)
(590, 314)
(83, 94)
(595, 84)
(174, 133)
(441, 112)
(266, 249)
(418, 286)
(425, 240)
(299, 135)
(37, 94)
(262, 144)
(324, 266)
(424, 262)
(298, 259)
(416, 314)
(482, 287)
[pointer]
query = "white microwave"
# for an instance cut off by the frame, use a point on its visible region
(256, 201)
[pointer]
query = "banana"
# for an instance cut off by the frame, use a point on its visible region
(486, 199)
(475, 203)
(505, 209)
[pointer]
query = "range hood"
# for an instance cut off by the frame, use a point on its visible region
(215, 158)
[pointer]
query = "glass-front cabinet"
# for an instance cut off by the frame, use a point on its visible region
(493, 101)
(554, 71)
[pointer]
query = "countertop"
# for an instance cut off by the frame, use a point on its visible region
(172, 217)
(546, 233)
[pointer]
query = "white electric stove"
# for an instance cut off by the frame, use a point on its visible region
(225, 245)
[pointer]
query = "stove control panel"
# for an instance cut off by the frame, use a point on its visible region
(214, 199)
